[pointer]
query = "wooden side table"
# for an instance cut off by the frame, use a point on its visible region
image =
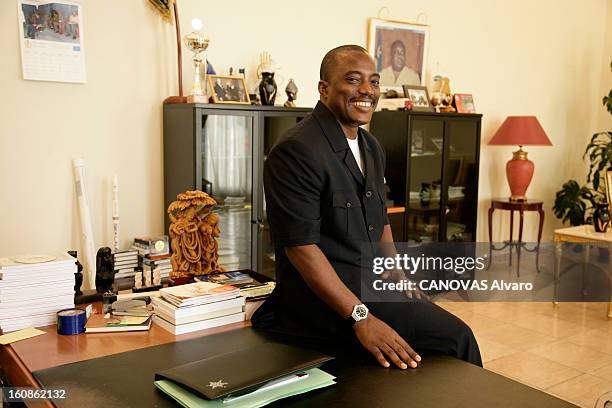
(582, 234)
(521, 207)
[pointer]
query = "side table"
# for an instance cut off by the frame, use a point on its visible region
(521, 207)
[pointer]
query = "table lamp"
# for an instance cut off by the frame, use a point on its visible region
(521, 131)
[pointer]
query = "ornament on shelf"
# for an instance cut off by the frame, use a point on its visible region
(291, 90)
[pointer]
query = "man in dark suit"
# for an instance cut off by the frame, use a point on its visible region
(324, 186)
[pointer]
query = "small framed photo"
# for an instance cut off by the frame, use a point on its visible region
(464, 103)
(419, 97)
(228, 89)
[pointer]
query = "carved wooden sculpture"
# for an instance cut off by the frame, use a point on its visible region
(193, 232)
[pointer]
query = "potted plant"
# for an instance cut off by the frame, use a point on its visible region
(574, 203)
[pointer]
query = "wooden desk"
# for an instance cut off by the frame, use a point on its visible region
(582, 234)
(126, 379)
(521, 207)
(22, 358)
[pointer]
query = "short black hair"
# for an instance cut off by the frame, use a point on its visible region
(331, 59)
(398, 43)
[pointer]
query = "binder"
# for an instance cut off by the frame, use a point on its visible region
(243, 371)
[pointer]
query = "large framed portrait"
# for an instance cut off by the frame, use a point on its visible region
(228, 89)
(400, 52)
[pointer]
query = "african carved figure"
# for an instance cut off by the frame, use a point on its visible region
(193, 233)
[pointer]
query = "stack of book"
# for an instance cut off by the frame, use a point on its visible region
(33, 289)
(161, 263)
(197, 306)
(254, 292)
(126, 263)
(250, 288)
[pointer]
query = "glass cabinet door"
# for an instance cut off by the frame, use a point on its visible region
(425, 180)
(227, 176)
(461, 175)
(274, 128)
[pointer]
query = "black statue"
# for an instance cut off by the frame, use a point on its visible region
(78, 275)
(267, 88)
(105, 270)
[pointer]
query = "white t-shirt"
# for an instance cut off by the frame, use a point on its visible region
(354, 145)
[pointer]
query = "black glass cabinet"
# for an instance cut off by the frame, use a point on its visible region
(431, 173)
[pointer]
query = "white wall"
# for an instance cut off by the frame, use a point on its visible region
(548, 58)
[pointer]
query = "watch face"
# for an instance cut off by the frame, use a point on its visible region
(360, 312)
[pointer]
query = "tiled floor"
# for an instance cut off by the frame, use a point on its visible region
(565, 350)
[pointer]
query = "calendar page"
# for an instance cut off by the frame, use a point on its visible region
(51, 37)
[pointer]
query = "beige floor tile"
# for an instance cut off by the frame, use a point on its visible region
(583, 390)
(532, 369)
(573, 355)
(491, 350)
(580, 314)
(502, 311)
(549, 326)
(515, 337)
(605, 373)
(598, 340)
(452, 307)
(477, 322)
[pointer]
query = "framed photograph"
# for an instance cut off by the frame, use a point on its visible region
(609, 187)
(399, 49)
(464, 103)
(419, 97)
(228, 89)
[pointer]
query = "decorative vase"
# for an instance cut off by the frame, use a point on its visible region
(267, 88)
(601, 217)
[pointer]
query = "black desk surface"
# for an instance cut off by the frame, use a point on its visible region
(126, 380)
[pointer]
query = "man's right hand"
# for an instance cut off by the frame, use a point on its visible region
(385, 344)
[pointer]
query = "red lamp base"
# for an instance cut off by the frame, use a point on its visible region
(519, 172)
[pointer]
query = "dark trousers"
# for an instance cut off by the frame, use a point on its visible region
(429, 328)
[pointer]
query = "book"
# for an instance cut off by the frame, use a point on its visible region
(98, 323)
(61, 261)
(198, 293)
(200, 325)
(226, 278)
(181, 315)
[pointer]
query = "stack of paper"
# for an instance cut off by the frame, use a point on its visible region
(33, 289)
(197, 306)
(286, 387)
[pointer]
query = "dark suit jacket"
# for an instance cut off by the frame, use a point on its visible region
(316, 194)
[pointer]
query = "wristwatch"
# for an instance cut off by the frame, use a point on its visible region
(360, 312)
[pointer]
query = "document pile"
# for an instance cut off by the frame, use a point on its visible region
(275, 371)
(34, 288)
(249, 287)
(197, 306)
(125, 315)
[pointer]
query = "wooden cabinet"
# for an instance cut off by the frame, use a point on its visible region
(220, 149)
(431, 173)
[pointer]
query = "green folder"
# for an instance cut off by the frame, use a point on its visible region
(316, 379)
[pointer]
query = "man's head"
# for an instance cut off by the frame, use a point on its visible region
(398, 55)
(349, 84)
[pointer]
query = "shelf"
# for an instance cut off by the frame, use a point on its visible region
(396, 210)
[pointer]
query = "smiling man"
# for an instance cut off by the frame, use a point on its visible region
(398, 73)
(324, 190)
